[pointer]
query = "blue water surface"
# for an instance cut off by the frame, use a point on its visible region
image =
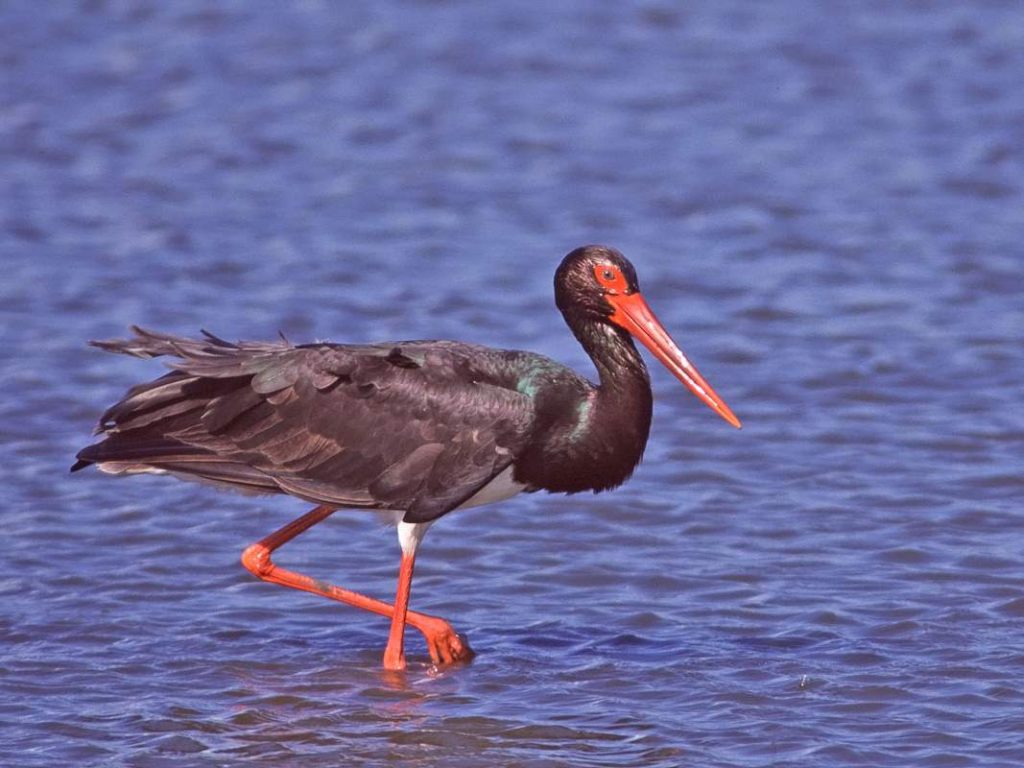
(825, 207)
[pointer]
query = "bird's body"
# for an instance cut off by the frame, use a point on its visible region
(419, 428)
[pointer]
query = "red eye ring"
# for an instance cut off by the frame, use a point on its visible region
(610, 278)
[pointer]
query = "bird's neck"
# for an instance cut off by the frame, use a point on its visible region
(602, 439)
(622, 404)
(620, 368)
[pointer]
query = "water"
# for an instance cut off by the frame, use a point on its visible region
(825, 207)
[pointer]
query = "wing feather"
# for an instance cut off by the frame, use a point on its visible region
(415, 426)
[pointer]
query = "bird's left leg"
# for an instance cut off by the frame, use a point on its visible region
(445, 645)
(256, 559)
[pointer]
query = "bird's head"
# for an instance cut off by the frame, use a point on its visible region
(598, 283)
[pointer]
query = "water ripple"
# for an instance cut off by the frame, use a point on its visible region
(824, 206)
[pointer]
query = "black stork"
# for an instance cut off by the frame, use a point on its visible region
(415, 428)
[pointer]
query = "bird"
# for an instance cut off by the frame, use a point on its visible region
(414, 429)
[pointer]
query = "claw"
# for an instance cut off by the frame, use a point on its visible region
(446, 646)
(449, 647)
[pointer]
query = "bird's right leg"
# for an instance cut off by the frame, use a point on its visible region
(446, 646)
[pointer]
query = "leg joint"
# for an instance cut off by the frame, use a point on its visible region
(256, 559)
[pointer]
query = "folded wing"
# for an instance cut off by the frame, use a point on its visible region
(412, 426)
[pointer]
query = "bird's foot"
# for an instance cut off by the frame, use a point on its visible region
(446, 646)
(394, 662)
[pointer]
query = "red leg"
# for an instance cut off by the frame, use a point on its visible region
(446, 646)
(394, 658)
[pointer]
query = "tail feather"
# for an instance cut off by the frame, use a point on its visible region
(145, 344)
(171, 395)
(209, 356)
(140, 450)
(118, 455)
(231, 475)
(148, 344)
(209, 387)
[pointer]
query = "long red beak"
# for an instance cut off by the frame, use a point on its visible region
(633, 314)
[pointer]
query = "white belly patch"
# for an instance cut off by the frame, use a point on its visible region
(501, 487)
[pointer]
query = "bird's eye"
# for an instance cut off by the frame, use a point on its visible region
(611, 278)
